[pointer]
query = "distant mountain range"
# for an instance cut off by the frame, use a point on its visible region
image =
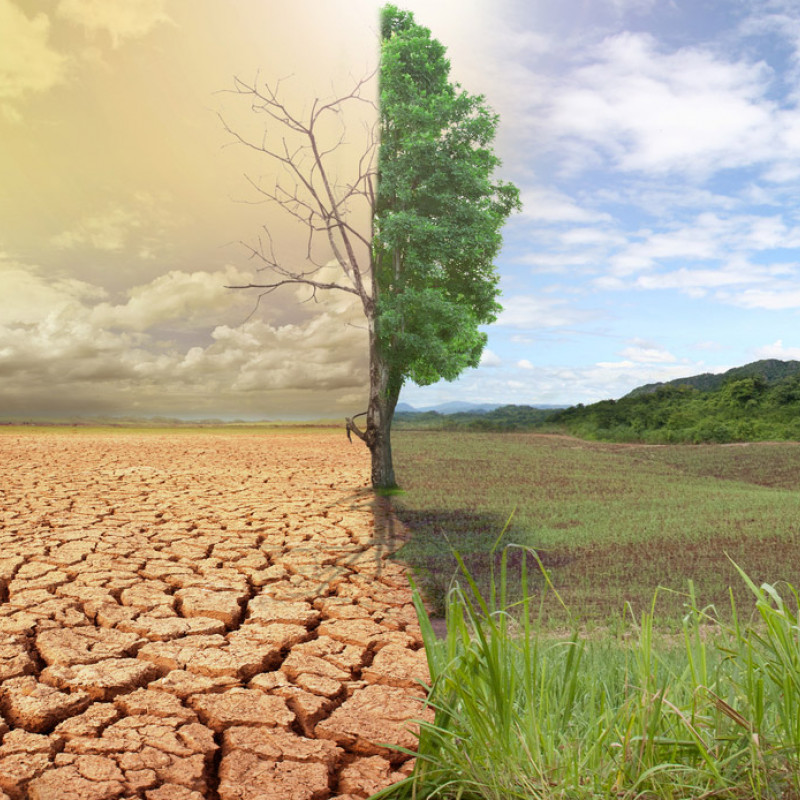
(771, 369)
(453, 407)
(458, 407)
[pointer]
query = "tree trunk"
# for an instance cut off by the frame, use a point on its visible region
(384, 390)
(380, 444)
(383, 395)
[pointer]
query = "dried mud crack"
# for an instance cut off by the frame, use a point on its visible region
(194, 616)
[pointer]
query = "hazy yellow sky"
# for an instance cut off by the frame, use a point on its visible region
(119, 220)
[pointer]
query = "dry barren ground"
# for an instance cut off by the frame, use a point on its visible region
(190, 616)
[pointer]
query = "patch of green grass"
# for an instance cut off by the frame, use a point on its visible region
(523, 714)
(611, 522)
(393, 491)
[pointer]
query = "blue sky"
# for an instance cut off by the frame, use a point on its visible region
(656, 144)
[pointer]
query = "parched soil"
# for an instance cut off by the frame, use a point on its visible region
(190, 616)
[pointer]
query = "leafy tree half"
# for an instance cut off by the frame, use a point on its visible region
(436, 225)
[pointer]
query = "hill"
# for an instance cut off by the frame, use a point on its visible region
(771, 369)
(504, 418)
(759, 401)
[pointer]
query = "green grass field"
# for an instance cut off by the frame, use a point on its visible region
(610, 522)
(674, 699)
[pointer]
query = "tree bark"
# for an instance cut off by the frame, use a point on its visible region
(380, 412)
(384, 391)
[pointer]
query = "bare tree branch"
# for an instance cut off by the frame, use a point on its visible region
(335, 205)
(352, 427)
(270, 263)
(270, 287)
(312, 197)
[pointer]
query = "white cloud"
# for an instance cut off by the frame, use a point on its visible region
(642, 352)
(490, 359)
(108, 230)
(772, 299)
(549, 205)
(709, 236)
(776, 18)
(121, 19)
(141, 225)
(591, 237)
(666, 198)
(695, 242)
(756, 194)
(34, 297)
(557, 262)
(693, 279)
(779, 351)
(710, 252)
(686, 111)
(529, 312)
(65, 349)
(179, 296)
(610, 283)
(625, 6)
(27, 61)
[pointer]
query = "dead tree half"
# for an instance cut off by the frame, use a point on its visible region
(305, 150)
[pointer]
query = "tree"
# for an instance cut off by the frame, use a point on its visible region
(424, 273)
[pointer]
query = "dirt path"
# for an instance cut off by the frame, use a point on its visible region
(191, 616)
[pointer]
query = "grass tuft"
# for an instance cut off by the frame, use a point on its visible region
(521, 713)
(389, 491)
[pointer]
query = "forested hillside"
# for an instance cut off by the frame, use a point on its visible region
(771, 370)
(761, 406)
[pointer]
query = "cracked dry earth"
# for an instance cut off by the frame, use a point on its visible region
(190, 616)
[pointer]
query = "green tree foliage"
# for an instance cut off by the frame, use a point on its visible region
(438, 213)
